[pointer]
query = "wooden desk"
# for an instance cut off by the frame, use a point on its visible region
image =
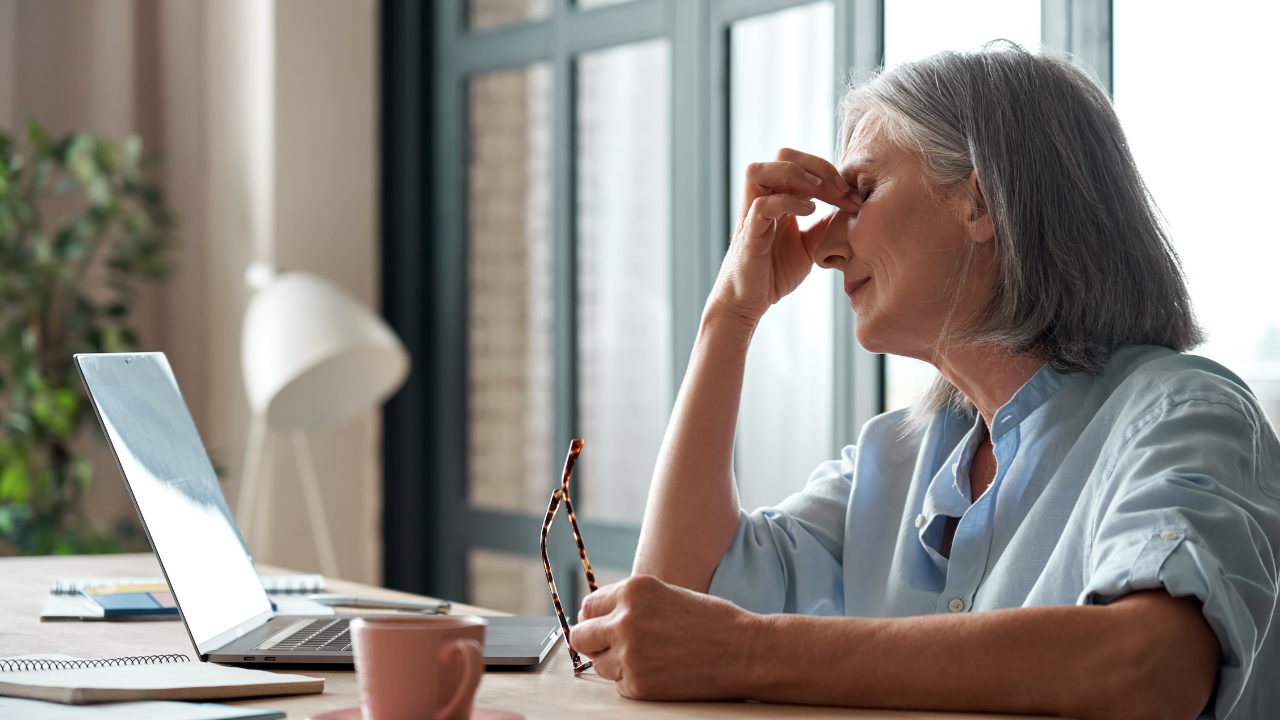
(549, 692)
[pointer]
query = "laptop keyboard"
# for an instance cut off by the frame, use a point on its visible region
(327, 635)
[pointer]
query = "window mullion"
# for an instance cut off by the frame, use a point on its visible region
(859, 387)
(1082, 28)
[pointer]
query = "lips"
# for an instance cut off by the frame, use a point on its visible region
(852, 287)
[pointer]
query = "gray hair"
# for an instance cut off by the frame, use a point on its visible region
(1083, 262)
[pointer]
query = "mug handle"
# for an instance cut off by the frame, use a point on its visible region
(471, 655)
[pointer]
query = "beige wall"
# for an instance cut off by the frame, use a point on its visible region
(266, 114)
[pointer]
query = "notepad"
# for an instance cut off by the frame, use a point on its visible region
(64, 679)
(69, 598)
(133, 599)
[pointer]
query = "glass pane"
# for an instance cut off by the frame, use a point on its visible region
(509, 301)
(1217, 186)
(487, 14)
(915, 29)
(781, 90)
(624, 273)
(510, 583)
(589, 4)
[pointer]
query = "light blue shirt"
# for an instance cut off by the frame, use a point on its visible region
(1164, 472)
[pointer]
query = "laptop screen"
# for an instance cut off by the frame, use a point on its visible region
(177, 495)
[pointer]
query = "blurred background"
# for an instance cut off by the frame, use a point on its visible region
(536, 195)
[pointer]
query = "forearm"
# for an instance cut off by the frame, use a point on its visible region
(1148, 655)
(692, 512)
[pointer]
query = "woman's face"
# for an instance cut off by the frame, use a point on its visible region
(900, 251)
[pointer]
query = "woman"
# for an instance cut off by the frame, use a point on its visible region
(1077, 519)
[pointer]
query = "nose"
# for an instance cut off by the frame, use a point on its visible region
(834, 250)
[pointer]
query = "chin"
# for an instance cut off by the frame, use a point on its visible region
(864, 332)
(882, 338)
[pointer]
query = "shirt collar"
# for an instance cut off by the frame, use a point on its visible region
(948, 491)
(1033, 393)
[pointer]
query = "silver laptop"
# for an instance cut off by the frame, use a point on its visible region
(221, 600)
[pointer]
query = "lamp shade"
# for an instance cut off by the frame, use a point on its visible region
(313, 356)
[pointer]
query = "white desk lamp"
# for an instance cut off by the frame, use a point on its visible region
(312, 357)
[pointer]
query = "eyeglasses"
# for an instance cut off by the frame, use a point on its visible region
(562, 494)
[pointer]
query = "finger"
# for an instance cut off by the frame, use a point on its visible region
(773, 207)
(763, 220)
(849, 202)
(776, 177)
(813, 236)
(600, 602)
(817, 166)
(834, 189)
(607, 665)
(590, 636)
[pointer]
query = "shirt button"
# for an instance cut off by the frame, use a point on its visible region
(955, 468)
(956, 605)
(1169, 535)
(920, 521)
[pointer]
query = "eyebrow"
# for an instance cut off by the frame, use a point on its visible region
(858, 160)
(857, 165)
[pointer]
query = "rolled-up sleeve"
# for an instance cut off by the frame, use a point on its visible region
(1198, 519)
(789, 558)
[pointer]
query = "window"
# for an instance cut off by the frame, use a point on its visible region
(1199, 125)
(624, 298)
(781, 80)
(586, 159)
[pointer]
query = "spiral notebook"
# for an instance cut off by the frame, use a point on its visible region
(65, 679)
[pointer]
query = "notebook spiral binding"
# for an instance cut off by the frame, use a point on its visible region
(74, 586)
(48, 664)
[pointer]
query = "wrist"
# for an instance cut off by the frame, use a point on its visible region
(759, 661)
(722, 320)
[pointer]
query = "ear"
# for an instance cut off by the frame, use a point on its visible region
(981, 229)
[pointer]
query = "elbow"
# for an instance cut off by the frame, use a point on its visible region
(1161, 667)
(1154, 693)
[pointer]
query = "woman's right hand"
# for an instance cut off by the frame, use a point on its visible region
(770, 255)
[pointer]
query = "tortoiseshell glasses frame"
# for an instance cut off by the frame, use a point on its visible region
(561, 494)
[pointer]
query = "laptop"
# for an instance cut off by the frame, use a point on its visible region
(220, 599)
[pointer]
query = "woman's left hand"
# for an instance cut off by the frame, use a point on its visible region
(662, 642)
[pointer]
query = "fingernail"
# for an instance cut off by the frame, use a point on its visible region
(841, 185)
(813, 179)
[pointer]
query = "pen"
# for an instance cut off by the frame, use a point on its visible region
(361, 601)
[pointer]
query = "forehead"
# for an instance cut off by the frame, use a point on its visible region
(869, 145)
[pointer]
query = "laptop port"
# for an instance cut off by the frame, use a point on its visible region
(268, 658)
(248, 658)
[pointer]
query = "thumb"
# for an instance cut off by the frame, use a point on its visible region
(812, 237)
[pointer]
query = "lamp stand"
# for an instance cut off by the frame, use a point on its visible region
(315, 505)
(256, 486)
(247, 497)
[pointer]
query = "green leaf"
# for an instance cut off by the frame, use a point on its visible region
(132, 150)
(8, 521)
(79, 158)
(15, 481)
(99, 191)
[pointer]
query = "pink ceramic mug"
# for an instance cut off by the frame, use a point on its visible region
(418, 668)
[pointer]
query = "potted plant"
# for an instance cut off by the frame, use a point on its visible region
(82, 222)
